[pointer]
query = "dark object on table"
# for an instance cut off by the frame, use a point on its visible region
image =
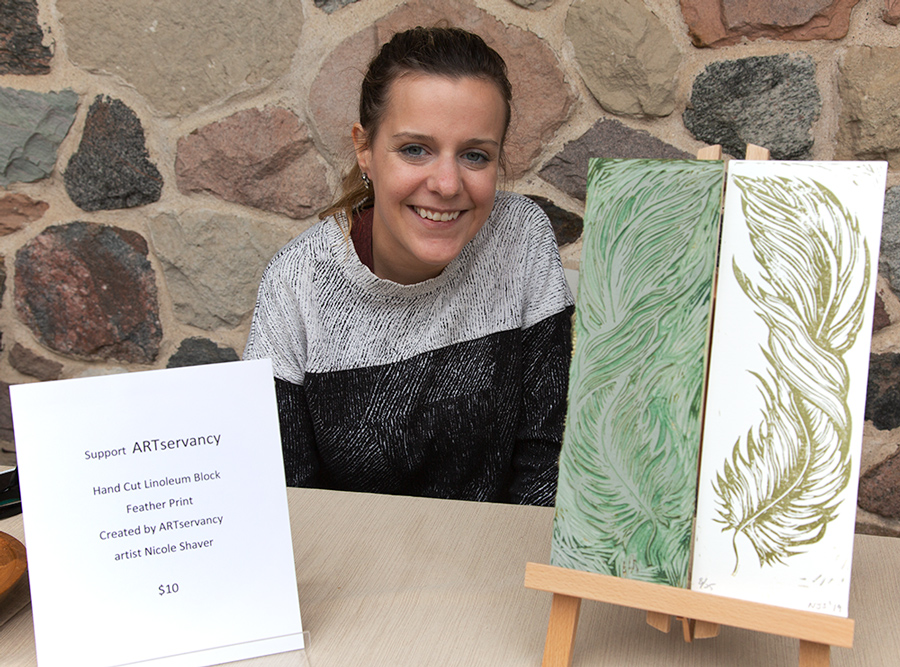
(10, 500)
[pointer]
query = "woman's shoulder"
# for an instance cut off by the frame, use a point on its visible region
(518, 208)
(521, 247)
(310, 241)
(304, 249)
(520, 227)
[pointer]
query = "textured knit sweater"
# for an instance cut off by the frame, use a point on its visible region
(454, 387)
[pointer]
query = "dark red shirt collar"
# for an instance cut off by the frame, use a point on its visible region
(361, 235)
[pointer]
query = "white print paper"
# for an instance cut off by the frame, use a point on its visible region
(787, 383)
(156, 517)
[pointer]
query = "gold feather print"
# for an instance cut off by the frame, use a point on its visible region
(781, 486)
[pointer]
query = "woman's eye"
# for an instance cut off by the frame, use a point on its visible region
(475, 157)
(412, 150)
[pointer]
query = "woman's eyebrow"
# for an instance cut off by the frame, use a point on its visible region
(427, 138)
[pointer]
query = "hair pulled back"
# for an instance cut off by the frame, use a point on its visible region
(438, 51)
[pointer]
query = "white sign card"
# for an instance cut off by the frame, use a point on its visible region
(156, 517)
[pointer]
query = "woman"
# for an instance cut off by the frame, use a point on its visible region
(420, 332)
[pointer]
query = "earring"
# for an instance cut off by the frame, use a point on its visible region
(368, 183)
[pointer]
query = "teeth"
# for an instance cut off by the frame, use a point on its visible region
(437, 217)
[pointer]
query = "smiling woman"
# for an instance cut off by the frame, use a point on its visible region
(433, 166)
(427, 354)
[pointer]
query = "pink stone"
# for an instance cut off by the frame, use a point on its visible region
(542, 100)
(879, 489)
(725, 22)
(28, 362)
(334, 96)
(705, 22)
(21, 41)
(891, 12)
(260, 158)
(740, 13)
(17, 210)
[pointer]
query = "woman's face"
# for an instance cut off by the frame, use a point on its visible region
(433, 164)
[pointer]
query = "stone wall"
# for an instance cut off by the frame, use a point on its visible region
(154, 154)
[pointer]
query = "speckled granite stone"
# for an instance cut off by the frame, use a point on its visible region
(88, 291)
(111, 168)
(770, 101)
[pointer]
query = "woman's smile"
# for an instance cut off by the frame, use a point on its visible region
(436, 216)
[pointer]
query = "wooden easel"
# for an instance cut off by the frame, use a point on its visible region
(700, 613)
(817, 632)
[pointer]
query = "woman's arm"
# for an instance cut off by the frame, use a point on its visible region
(278, 332)
(301, 465)
(547, 350)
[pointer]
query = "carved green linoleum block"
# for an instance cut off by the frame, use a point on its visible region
(630, 454)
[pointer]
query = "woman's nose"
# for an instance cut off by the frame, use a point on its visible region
(445, 180)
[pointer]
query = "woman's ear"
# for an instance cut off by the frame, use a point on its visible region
(361, 145)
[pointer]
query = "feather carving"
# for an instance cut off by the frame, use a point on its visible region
(780, 488)
(628, 467)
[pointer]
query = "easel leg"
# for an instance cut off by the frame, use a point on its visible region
(662, 622)
(560, 643)
(687, 628)
(705, 630)
(814, 655)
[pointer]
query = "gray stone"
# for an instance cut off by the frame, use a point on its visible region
(868, 127)
(889, 260)
(182, 56)
(21, 39)
(883, 391)
(33, 125)
(111, 168)
(331, 6)
(263, 158)
(567, 170)
(770, 101)
(534, 5)
(6, 425)
(567, 227)
(627, 57)
(198, 351)
(212, 264)
(89, 291)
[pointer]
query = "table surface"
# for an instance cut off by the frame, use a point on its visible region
(396, 581)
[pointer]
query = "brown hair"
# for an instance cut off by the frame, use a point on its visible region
(439, 51)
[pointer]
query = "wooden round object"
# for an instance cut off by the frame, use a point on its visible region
(12, 563)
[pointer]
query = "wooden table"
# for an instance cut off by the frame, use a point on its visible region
(396, 581)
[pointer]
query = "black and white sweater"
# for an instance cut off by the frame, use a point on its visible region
(454, 387)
